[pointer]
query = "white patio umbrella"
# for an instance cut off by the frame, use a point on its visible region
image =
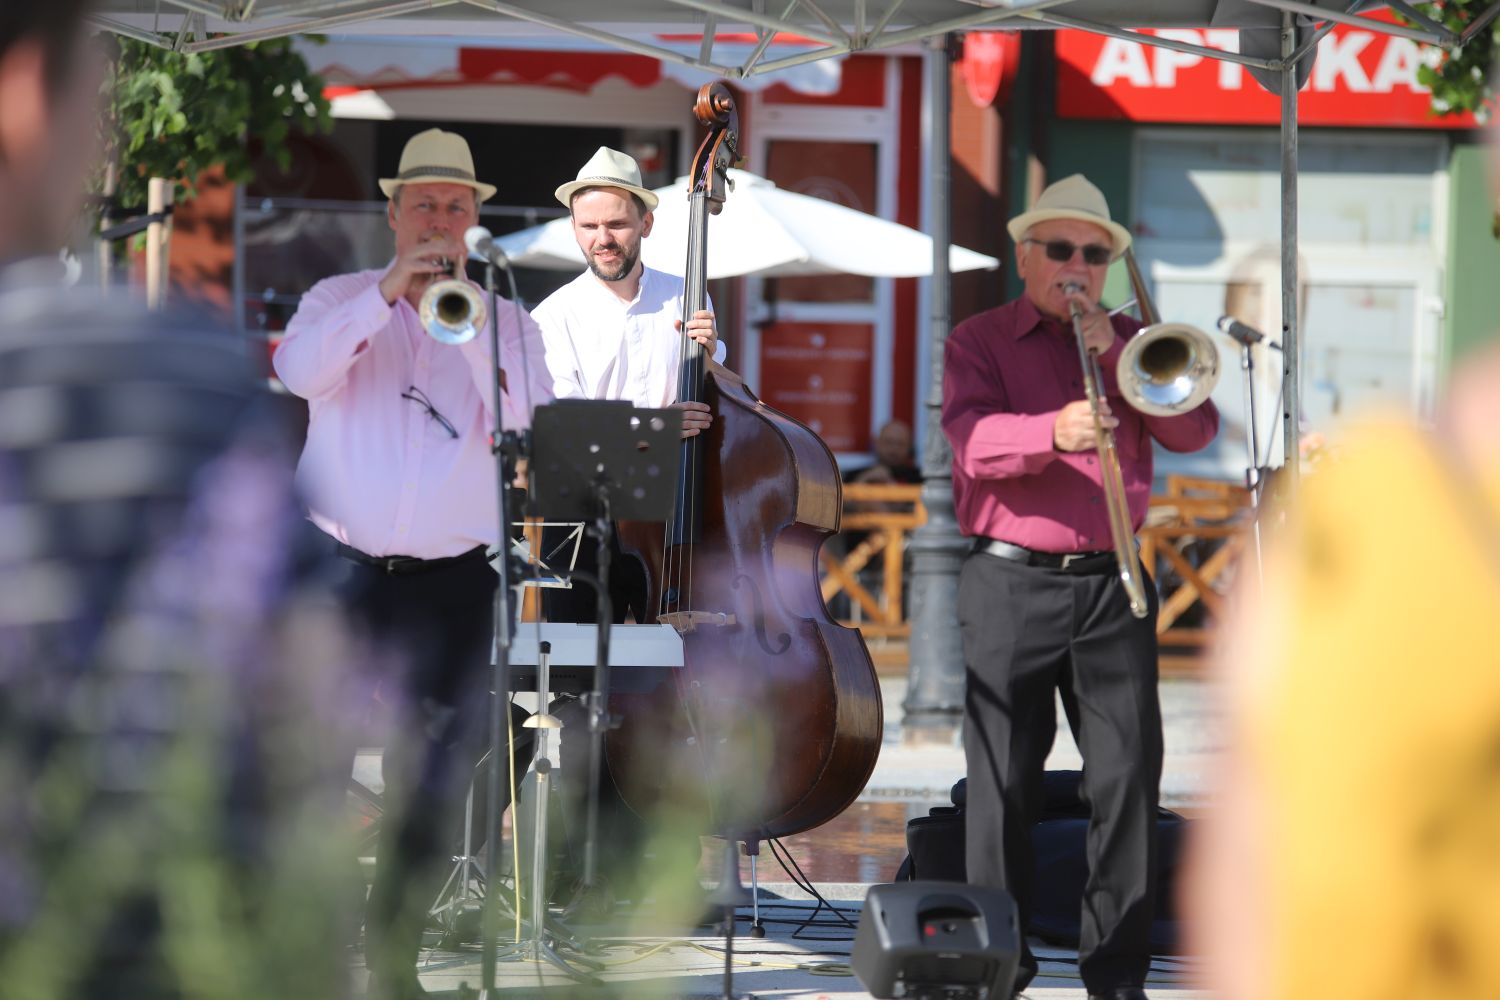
(762, 230)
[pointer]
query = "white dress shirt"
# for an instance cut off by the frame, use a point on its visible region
(379, 472)
(599, 347)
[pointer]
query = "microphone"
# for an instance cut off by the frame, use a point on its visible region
(1243, 333)
(483, 246)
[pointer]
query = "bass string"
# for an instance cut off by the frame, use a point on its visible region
(695, 298)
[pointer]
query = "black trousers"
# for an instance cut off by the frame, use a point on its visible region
(430, 638)
(580, 603)
(1028, 631)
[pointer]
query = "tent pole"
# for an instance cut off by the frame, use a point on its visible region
(1291, 338)
(935, 690)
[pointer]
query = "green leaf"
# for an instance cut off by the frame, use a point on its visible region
(1462, 81)
(175, 115)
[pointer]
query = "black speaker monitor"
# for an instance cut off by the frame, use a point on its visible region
(937, 941)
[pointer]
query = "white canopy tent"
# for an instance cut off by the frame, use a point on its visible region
(762, 229)
(1278, 39)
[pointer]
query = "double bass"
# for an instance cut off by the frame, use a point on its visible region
(774, 723)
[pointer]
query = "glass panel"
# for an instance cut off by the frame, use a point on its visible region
(1358, 351)
(1201, 304)
(1367, 192)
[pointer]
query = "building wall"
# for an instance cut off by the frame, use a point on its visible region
(977, 212)
(1104, 153)
(1471, 292)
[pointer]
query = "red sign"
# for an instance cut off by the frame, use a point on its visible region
(820, 373)
(989, 64)
(1360, 77)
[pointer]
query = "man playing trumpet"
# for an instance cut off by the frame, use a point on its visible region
(1041, 603)
(397, 470)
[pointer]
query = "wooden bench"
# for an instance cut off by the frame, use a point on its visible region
(1194, 535)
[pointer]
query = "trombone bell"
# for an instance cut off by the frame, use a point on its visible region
(1168, 368)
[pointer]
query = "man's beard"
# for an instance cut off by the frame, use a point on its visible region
(626, 264)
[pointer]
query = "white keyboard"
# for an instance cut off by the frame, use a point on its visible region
(640, 656)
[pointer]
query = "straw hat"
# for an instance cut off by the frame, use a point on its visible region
(436, 157)
(1072, 198)
(608, 168)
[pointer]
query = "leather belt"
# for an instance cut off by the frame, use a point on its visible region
(1099, 561)
(405, 565)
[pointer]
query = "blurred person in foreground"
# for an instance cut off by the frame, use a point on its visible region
(1040, 600)
(399, 475)
(168, 672)
(1353, 848)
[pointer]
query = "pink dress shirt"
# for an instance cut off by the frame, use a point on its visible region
(380, 473)
(1006, 374)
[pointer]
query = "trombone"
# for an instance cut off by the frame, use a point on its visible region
(451, 310)
(1164, 370)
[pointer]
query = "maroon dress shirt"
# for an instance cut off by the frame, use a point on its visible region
(1006, 374)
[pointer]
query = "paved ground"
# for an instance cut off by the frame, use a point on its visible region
(690, 964)
(812, 961)
(926, 773)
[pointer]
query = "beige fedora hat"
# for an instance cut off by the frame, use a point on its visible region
(608, 168)
(1072, 198)
(436, 157)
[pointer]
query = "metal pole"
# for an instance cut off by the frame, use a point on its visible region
(158, 197)
(105, 249)
(1291, 340)
(935, 693)
(237, 272)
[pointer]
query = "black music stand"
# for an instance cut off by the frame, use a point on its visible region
(595, 461)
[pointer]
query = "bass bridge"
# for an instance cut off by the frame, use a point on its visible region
(687, 621)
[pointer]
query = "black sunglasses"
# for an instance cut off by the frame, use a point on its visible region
(1062, 251)
(420, 398)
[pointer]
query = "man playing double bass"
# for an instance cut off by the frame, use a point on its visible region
(615, 332)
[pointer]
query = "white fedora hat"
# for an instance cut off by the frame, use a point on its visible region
(1072, 197)
(436, 157)
(608, 168)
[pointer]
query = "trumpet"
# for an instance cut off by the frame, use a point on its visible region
(1165, 369)
(451, 310)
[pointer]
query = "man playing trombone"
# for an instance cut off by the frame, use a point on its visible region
(398, 470)
(1044, 599)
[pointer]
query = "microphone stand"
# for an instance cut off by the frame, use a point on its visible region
(1247, 337)
(507, 447)
(596, 701)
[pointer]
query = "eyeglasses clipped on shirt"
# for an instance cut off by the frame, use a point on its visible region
(1094, 254)
(419, 397)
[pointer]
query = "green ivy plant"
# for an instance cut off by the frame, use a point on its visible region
(174, 114)
(1463, 80)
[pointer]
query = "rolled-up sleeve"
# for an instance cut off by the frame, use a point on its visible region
(565, 380)
(522, 359)
(330, 331)
(989, 441)
(1185, 432)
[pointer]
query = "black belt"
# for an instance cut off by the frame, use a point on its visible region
(1074, 562)
(404, 565)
